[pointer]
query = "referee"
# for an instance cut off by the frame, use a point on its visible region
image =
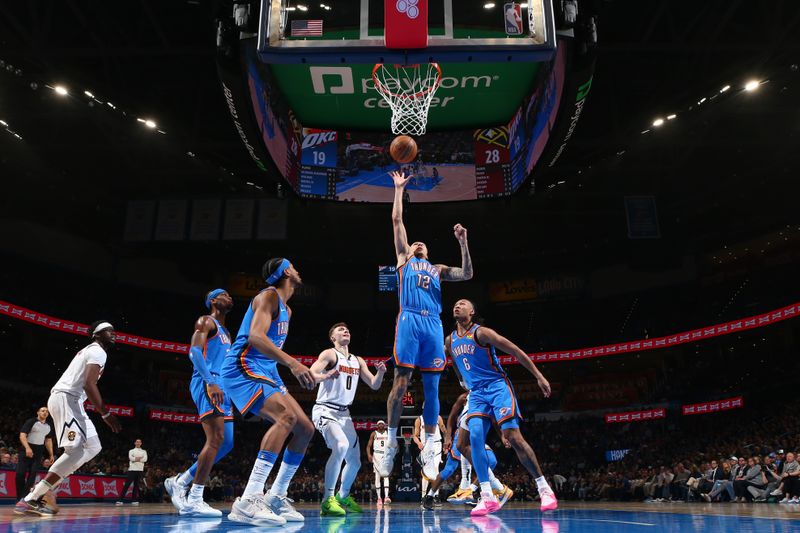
(35, 436)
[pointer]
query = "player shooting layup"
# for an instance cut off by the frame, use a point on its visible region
(419, 334)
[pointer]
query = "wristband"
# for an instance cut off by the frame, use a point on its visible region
(106, 415)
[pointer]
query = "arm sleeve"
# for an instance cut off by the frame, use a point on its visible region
(199, 362)
(27, 426)
(96, 355)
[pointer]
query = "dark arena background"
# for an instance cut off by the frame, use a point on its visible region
(627, 173)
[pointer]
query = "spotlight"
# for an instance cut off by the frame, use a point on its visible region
(751, 85)
(149, 123)
(725, 88)
(670, 117)
(302, 7)
(88, 93)
(490, 5)
(657, 122)
(61, 90)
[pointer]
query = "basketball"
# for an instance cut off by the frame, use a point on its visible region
(403, 149)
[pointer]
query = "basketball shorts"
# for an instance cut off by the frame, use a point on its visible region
(248, 388)
(419, 342)
(325, 418)
(72, 424)
(377, 455)
(495, 400)
(202, 400)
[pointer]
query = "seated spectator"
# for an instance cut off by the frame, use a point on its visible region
(677, 487)
(771, 476)
(714, 473)
(750, 477)
(791, 479)
(5, 462)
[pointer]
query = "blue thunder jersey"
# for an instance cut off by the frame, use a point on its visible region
(215, 349)
(477, 364)
(250, 360)
(419, 286)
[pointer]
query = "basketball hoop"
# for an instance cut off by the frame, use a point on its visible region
(408, 89)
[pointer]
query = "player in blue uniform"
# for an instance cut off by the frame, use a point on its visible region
(250, 376)
(472, 349)
(210, 344)
(418, 334)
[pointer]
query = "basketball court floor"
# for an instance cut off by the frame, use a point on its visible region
(595, 517)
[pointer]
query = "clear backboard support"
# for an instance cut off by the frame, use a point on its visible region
(351, 31)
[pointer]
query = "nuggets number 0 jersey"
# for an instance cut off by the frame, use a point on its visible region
(249, 359)
(419, 286)
(215, 349)
(477, 364)
(341, 390)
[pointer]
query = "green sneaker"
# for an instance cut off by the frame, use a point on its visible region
(331, 507)
(349, 504)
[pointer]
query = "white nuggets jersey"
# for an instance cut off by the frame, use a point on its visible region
(341, 390)
(437, 436)
(73, 379)
(380, 441)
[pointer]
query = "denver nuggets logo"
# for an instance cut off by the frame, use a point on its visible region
(504, 411)
(494, 136)
(71, 436)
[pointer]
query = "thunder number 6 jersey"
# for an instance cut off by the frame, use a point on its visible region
(477, 364)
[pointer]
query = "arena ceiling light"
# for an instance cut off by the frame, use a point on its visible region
(752, 85)
(490, 5)
(658, 122)
(88, 93)
(302, 7)
(727, 87)
(672, 116)
(61, 90)
(150, 124)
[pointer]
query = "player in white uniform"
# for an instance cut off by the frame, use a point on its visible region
(376, 448)
(436, 458)
(74, 430)
(331, 417)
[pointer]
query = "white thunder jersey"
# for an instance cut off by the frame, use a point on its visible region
(73, 379)
(437, 435)
(341, 390)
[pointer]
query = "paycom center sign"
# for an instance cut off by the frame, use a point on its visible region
(344, 97)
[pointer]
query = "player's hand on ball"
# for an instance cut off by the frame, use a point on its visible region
(544, 385)
(216, 394)
(304, 376)
(460, 232)
(400, 179)
(112, 422)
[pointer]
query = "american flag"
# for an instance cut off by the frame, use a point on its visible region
(307, 28)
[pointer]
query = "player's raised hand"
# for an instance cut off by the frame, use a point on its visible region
(544, 385)
(215, 393)
(400, 179)
(304, 376)
(460, 232)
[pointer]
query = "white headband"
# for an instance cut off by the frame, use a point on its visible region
(100, 327)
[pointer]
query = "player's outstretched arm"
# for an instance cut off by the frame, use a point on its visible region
(373, 381)
(448, 273)
(264, 306)
(401, 246)
(202, 328)
(486, 335)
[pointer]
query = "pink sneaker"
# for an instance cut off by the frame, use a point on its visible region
(485, 506)
(549, 501)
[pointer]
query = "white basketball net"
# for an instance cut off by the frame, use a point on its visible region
(408, 89)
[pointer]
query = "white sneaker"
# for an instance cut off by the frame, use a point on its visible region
(386, 463)
(177, 493)
(253, 510)
(776, 492)
(199, 508)
(428, 456)
(282, 506)
(119, 503)
(785, 500)
(135, 504)
(795, 500)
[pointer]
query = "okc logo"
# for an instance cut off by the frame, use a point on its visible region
(409, 7)
(438, 362)
(504, 411)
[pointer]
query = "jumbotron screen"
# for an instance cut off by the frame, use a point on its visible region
(320, 160)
